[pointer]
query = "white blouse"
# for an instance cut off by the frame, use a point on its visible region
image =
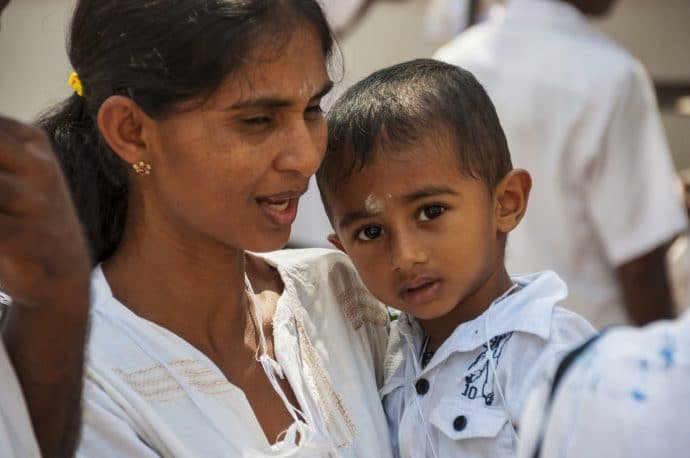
(150, 393)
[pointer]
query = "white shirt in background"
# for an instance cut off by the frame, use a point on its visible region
(455, 407)
(626, 396)
(16, 435)
(580, 115)
(150, 393)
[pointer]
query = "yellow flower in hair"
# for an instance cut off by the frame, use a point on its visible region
(75, 83)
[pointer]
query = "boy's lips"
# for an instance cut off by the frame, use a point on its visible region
(420, 290)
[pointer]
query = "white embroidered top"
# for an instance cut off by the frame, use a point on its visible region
(150, 393)
(455, 406)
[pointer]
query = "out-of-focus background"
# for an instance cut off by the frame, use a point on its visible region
(35, 67)
(657, 32)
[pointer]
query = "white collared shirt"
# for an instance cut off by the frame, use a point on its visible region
(149, 393)
(16, 435)
(580, 115)
(626, 396)
(454, 404)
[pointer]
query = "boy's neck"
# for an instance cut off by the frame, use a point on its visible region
(477, 302)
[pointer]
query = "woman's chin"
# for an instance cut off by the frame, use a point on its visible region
(268, 242)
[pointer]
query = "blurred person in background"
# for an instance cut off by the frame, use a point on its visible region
(44, 274)
(620, 395)
(580, 114)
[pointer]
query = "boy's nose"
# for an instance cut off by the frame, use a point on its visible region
(405, 253)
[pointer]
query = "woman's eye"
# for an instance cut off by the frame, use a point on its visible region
(370, 233)
(315, 109)
(431, 212)
(257, 120)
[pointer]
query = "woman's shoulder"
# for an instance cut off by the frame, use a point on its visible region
(318, 269)
(326, 282)
(305, 257)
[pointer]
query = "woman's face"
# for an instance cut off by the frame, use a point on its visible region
(231, 171)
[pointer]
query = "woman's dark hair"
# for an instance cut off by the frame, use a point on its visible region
(159, 53)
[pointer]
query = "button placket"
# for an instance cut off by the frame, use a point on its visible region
(422, 386)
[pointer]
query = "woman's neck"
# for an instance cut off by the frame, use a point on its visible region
(195, 288)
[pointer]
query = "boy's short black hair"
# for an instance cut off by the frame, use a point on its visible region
(399, 105)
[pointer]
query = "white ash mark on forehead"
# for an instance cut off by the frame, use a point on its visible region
(373, 204)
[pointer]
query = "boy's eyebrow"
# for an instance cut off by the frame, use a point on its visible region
(353, 217)
(429, 191)
(275, 102)
(426, 191)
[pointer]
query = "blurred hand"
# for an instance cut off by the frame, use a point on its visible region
(43, 255)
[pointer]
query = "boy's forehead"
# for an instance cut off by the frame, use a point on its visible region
(394, 177)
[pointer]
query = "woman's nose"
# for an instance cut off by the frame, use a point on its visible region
(304, 148)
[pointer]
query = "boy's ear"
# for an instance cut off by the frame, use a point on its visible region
(335, 241)
(512, 194)
(123, 126)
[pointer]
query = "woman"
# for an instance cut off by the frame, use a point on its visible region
(194, 128)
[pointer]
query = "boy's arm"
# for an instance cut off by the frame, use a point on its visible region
(646, 287)
(44, 268)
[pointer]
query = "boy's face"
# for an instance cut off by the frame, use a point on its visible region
(423, 236)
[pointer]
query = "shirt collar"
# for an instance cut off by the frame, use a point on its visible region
(527, 310)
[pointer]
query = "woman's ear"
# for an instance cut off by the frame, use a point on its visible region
(512, 194)
(123, 126)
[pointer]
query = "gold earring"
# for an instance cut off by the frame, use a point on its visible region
(142, 168)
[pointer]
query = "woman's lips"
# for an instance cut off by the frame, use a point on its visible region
(421, 291)
(281, 210)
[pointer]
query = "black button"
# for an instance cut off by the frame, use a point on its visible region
(422, 386)
(460, 422)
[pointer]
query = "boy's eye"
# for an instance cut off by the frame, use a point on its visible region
(431, 212)
(370, 233)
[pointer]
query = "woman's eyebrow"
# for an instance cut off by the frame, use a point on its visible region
(275, 101)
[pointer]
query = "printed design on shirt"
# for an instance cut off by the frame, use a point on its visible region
(336, 417)
(361, 308)
(478, 381)
(158, 384)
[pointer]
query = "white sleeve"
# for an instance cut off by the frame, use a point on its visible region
(16, 435)
(105, 431)
(614, 404)
(634, 196)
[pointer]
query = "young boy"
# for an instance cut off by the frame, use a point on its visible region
(418, 184)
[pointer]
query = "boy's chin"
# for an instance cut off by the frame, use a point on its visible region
(428, 313)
